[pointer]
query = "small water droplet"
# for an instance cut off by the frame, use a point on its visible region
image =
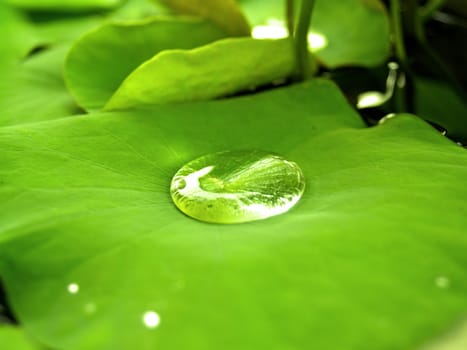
(442, 282)
(90, 308)
(237, 186)
(151, 319)
(73, 288)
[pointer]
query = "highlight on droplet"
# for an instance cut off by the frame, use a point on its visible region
(151, 319)
(237, 186)
(73, 288)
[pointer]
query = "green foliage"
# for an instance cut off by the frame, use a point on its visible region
(23, 89)
(20, 38)
(99, 62)
(224, 67)
(88, 202)
(356, 32)
(15, 339)
(225, 13)
(372, 256)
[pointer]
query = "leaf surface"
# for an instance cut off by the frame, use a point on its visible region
(225, 13)
(375, 249)
(99, 61)
(19, 36)
(343, 32)
(215, 70)
(35, 91)
(13, 338)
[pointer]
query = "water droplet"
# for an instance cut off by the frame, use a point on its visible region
(151, 319)
(442, 282)
(90, 308)
(237, 186)
(73, 288)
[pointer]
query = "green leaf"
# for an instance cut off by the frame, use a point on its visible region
(35, 91)
(19, 36)
(13, 338)
(343, 32)
(225, 13)
(455, 339)
(68, 5)
(437, 102)
(215, 70)
(372, 257)
(100, 60)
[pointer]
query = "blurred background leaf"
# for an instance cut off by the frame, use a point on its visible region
(343, 32)
(99, 61)
(225, 13)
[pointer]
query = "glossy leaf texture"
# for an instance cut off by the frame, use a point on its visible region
(374, 250)
(343, 32)
(225, 13)
(215, 70)
(99, 61)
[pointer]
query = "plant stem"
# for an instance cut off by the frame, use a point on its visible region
(290, 8)
(430, 7)
(398, 31)
(305, 61)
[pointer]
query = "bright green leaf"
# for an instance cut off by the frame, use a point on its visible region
(372, 257)
(343, 32)
(99, 61)
(455, 339)
(225, 13)
(18, 36)
(35, 91)
(60, 31)
(13, 338)
(215, 70)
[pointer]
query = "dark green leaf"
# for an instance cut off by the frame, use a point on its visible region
(437, 102)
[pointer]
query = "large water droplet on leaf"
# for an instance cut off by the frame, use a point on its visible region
(237, 186)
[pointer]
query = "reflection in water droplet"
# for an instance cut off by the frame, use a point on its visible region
(73, 288)
(151, 319)
(237, 186)
(442, 282)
